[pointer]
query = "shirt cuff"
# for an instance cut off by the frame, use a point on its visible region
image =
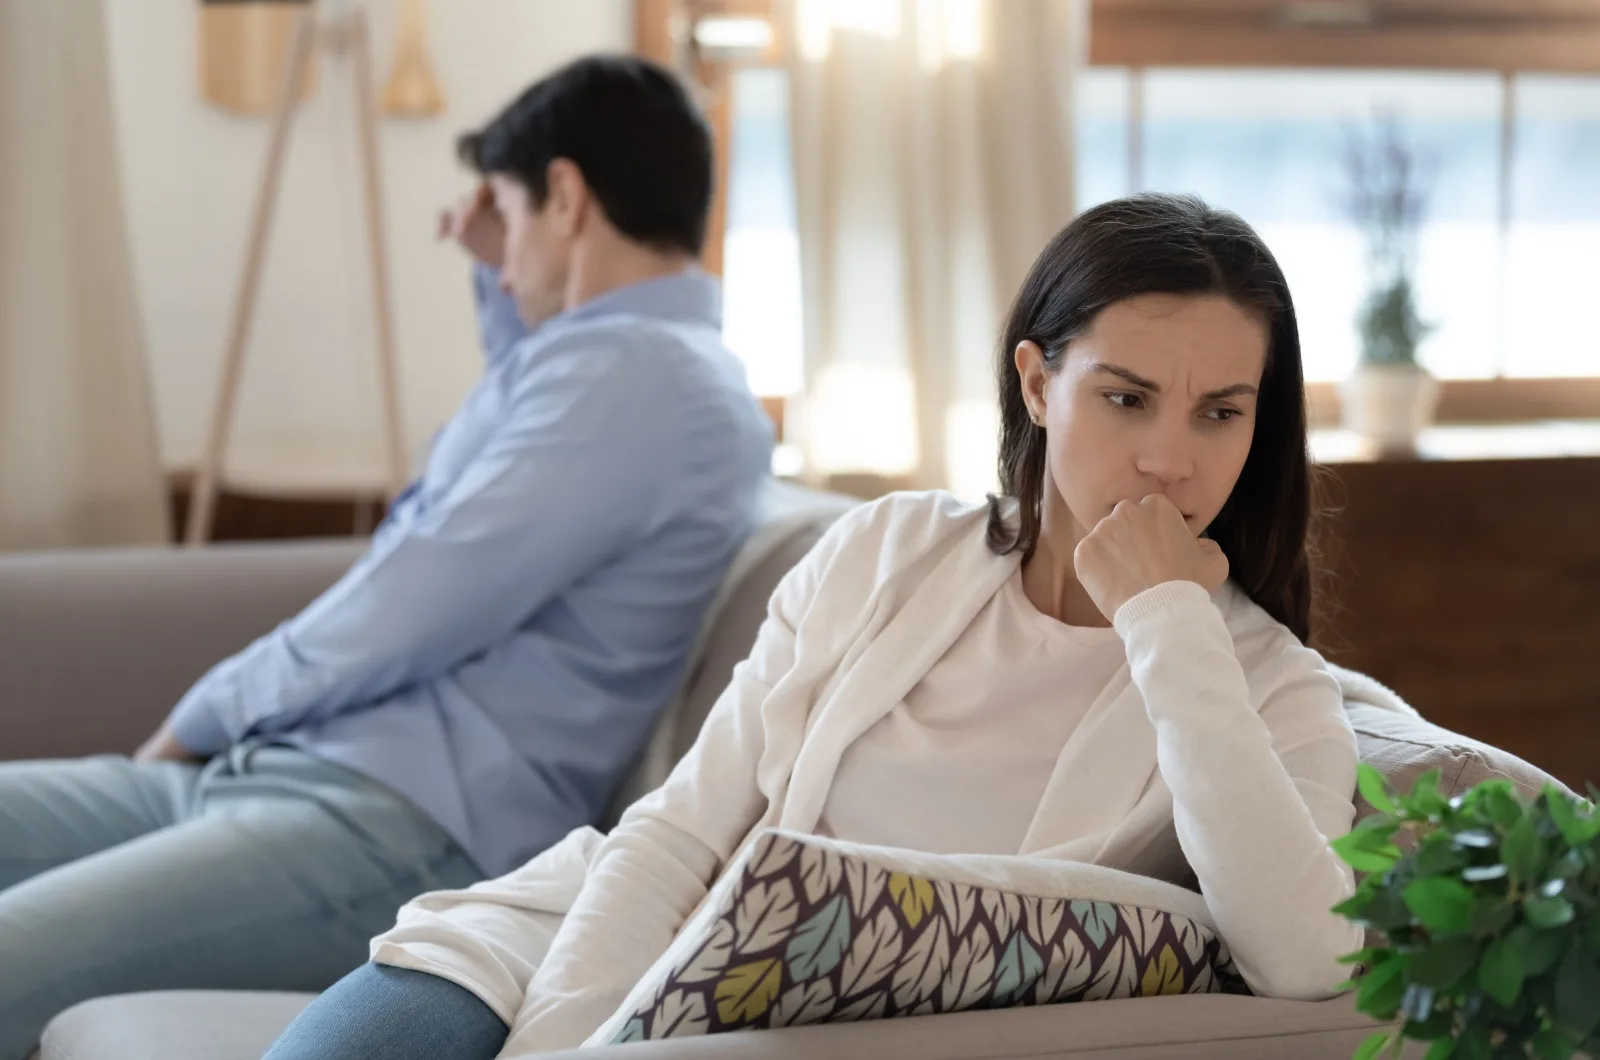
(1163, 597)
(195, 725)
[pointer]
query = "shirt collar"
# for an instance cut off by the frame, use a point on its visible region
(691, 295)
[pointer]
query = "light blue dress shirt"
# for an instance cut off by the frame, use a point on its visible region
(502, 651)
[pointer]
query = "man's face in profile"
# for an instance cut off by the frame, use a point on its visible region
(538, 248)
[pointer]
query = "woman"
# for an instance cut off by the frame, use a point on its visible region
(1104, 665)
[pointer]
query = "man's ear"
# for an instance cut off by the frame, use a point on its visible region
(567, 195)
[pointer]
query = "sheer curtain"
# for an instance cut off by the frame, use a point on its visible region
(78, 455)
(933, 152)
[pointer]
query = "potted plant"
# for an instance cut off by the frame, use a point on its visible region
(1489, 914)
(1389, 398)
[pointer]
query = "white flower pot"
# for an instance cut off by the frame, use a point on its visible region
(1389, 405)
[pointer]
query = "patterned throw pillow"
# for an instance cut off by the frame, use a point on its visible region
(809, 930)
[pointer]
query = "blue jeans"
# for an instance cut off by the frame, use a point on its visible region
(396, 1014)
(265, 869)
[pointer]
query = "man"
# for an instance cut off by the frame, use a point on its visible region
(480, 681)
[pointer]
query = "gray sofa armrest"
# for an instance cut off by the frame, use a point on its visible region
(96, 646)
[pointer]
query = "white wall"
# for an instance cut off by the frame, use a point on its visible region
(190, 173)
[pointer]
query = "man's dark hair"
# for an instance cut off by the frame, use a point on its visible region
(629, 126)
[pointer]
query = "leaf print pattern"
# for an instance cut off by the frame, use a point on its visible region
(709, 961)
(971, 972)
(958, 901)
(805, 1004)
(764, 915)
(807, 934)
(819, 944)
(681, 1014)
(748, 990)
(1043, 917)
(923, 967)
(1099, 919)
(1003, 908)
(866, 883)
(1117, 976)
(774, 858)
(1020, 967)
(1162, 975)
(1066, 972)
(873, 955)
(913, 896)
(819, 872)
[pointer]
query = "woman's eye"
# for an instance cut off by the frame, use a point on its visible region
(1122, 399)
(1222, 415)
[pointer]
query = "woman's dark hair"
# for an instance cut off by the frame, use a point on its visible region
(630, 126)
(1172, 244)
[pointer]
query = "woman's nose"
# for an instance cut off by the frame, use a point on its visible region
(1166, 456)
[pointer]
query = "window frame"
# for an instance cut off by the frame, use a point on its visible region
(1508, 37)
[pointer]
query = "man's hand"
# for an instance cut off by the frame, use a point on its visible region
(164, 747)
(1140, 546)
(477, 226)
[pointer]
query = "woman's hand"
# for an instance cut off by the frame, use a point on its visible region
(1139, 546)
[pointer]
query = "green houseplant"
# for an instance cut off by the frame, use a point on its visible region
(1390, 397)
(1489, 912)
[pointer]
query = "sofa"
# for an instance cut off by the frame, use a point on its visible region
(95, 647)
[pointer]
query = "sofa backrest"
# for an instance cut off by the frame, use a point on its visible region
(1403, 747)
(792, 520)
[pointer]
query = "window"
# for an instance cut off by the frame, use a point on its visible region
(761, 318)
(1506, 261)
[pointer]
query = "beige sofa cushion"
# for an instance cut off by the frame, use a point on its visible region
(1402, 748)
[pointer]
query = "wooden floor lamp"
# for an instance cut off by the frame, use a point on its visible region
(343, 33)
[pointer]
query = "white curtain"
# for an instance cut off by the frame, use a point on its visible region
(933, 153)
(78, 455)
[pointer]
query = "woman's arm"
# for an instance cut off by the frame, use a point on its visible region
(657, 864)
(1256, 796)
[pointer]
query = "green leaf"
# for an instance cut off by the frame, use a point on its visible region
(1483, 873)
(1374, 788)
(1476, 838)
(1521, 851)
(1438, 856)
(1568, 866)
(1502, 806)
(1540, 950)
(1546, 912)
(1371, 1046)
(1363, 956)
(1577, 996)
(1424, 799)
(1442, 1049)
(1442, 903)
(1366, 851)
(1437, 1025)
(1574, 829)
(1378, 992)
(1500, 971)
(1355, 907)
(1473, 1044)
(1551, 1044)
(1443, 964)
(1417, 1002)
(1490, 915)
(1552, 888)
(1388, 910)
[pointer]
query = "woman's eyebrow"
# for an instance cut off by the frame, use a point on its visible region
(1155, 388)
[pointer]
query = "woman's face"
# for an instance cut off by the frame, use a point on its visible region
(1159, 396)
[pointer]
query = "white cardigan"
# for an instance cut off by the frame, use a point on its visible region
(1221, 747)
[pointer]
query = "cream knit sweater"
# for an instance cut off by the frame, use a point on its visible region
(1221, 747)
